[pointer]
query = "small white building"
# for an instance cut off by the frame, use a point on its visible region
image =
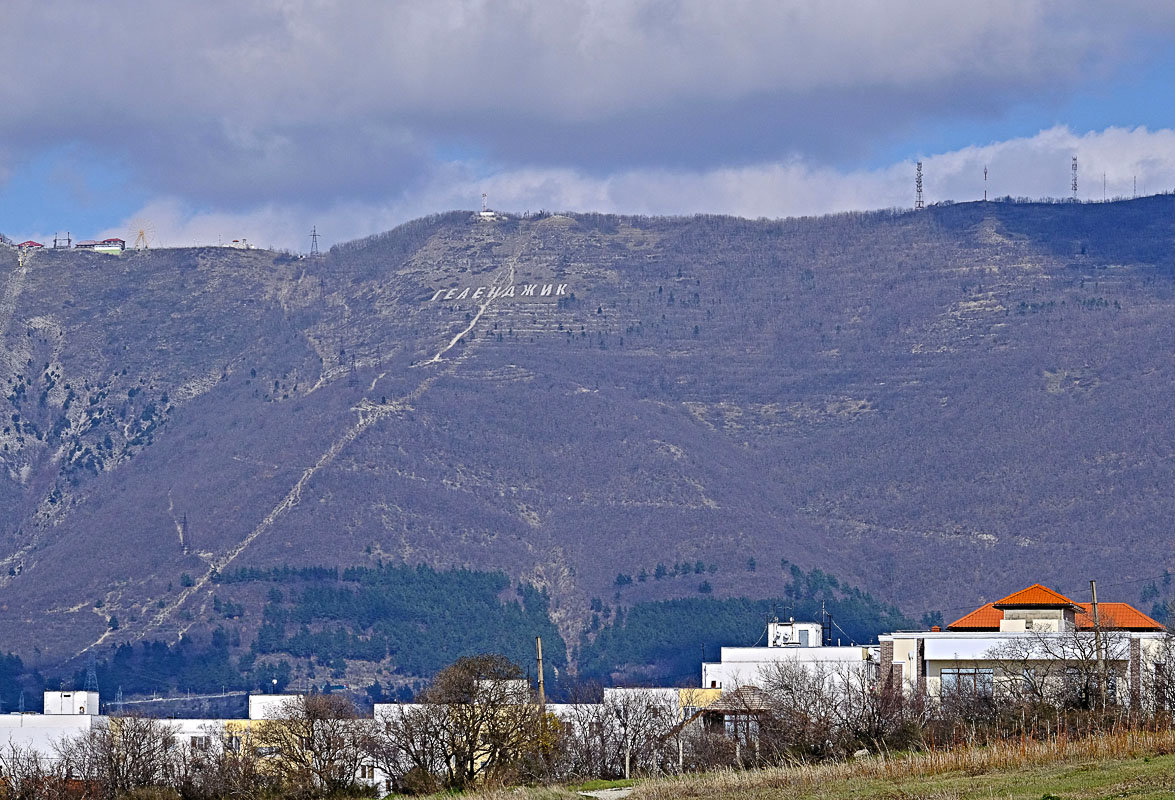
(271, 706)
(71, 703)
(801, 643)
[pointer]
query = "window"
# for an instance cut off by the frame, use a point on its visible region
(201, 742)
(968, 680)
(366, 772)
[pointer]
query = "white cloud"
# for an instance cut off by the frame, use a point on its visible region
(232, 104)
(1037, 166)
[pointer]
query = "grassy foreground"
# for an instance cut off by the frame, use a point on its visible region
(1133, 764)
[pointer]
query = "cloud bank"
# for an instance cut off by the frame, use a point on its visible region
(1033, 167)
(367, 112)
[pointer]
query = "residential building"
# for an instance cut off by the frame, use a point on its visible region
(1033, 641)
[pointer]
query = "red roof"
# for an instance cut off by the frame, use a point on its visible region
(984, 618)
(1113, 616)
(1035, 596)
(114, 241)
(1116, 616)
(30, 243)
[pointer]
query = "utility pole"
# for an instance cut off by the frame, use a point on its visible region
(538, 643)
(1097, 643)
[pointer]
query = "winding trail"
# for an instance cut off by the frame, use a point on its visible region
(496, 285)
(369, 413)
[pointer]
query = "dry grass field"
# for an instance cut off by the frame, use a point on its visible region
(1128, 764)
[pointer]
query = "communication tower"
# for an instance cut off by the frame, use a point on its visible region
(484, 202)
(1074, 184)
(92, 674)
(314, 242)
(985, 184)
(918, 204)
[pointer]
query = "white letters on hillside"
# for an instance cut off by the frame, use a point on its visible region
(483, 293)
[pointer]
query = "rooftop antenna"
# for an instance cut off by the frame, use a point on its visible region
(314, 242)
(1074, 185)
(985, 184)
(918, 204)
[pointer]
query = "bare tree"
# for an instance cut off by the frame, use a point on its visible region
(1059, 670)
(406, 743)
(644, 718)
(485, 717)
(25, 774)
(124, 754)
(315, 745)
(590, 731)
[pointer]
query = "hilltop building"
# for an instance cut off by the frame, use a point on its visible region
(113, 245)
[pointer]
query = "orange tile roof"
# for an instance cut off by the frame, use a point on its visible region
(1034, 595)
(1113, 616)
(984, 618)
(1116, 616)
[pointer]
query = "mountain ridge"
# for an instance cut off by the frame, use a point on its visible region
(933, 406)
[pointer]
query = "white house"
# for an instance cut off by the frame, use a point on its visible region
(1035, 638)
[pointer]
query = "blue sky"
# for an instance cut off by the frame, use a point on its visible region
(262, 118)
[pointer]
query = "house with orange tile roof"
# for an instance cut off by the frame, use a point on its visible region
(1034, 636)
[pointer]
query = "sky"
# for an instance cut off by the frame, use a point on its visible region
(261, 119)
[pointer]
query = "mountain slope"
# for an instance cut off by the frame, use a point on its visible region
(937, 407)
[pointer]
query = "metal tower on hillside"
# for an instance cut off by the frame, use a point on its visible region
(985, 184)
(92, 674)
(314, 242)
(1074, 184)
(484, 202)
(918, 204)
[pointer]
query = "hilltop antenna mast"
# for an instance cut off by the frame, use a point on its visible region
(1074, 184)
(484, 202)
(985, 184)
(314, 242)
(918, 204)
